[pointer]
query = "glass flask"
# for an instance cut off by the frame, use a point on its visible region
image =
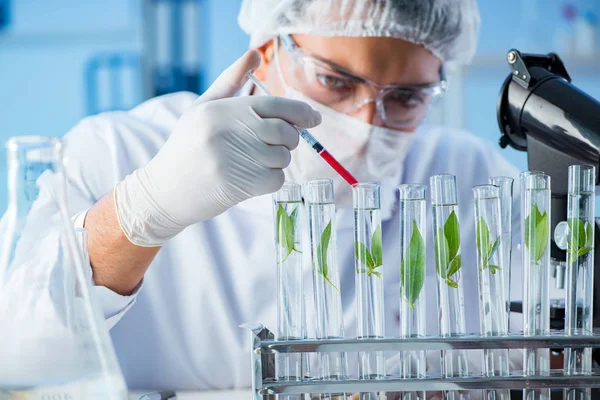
(580, 272)
(491, 264)
(413, 321)
(54, 342)
(448, 264)
(326, 278)
(536, 222)
(368, 251)
(291, 319)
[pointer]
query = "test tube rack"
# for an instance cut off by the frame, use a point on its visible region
(265, 347)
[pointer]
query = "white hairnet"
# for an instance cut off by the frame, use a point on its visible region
(447, 28)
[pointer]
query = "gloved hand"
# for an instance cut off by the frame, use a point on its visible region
(222, 151)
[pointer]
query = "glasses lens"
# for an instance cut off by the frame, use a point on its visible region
(323, 84)
(406, 106)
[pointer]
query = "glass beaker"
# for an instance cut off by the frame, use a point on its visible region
(505, 184)
(412, 281)
(448, 262)
(54, 342)
(580, 272)
(291, 319)
(536, 222)
(490, 265)
(368, 251)
(326, 280)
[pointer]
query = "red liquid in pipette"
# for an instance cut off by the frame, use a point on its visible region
(338, 167)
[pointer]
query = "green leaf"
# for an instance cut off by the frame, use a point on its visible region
(583, 251)
(322, 248)
(377, 248)
(493, 248)
(285, 233)
(576, 237)
(589, 235)
(363, 255)
(413, 275)
(455, 265)
(451, 283)
(441, 250)
(536, 240)
(482, 234)
(377, 274)
(541, 237)
(452, 233)
(494, 268)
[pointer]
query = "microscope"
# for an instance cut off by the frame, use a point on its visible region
(541, 112)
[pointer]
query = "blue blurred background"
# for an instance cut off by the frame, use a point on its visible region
(61, 60)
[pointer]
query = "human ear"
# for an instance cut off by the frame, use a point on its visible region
(266, 52)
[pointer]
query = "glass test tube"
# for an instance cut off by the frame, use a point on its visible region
(451, 307)
(491, 262)
(291, 319)
(326, 281)
(369, 278)
(536, 220)
(412, 281)
(580, 272)
(505, 184)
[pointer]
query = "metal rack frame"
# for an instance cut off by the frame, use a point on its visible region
(264, 348)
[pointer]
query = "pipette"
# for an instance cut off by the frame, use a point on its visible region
(310, 139)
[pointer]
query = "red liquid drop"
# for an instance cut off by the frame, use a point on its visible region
(338, 167)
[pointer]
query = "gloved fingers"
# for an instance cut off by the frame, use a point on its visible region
(277, 132)
(273, 179)
(275, 156)
(293, 111)
(233, 78)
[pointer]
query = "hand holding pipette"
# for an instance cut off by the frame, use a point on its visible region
(310, 139)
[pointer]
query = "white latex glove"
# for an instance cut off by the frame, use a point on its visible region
(222, 151)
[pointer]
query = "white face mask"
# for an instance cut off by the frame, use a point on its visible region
(371, 153)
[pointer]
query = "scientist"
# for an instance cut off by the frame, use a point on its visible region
(175, 193)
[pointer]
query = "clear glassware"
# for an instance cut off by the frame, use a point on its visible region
(291, 316)
(536, 222)
(412, 281)
(580, 272)
(506, 199)
(489, 234)
(369, 278)
(326, 280)
(448, 262)
(57, 345)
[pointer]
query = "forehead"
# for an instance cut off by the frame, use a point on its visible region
(382, 60)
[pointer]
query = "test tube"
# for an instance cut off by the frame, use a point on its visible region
(326, 281)
(448, 263)
(369, 278)
(580, 272)
(536, 219)
(412, 281)
(291, 320)
(505, 184)
(489, 234)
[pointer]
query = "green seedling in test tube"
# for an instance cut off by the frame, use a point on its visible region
(446, 245)
(285, 231)
(485, 248)
(370, 259)
(322, 254)
(414, 264)
(536, 241)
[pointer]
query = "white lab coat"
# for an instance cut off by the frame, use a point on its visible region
(180, 330)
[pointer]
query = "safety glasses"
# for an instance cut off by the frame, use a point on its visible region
(399, 106)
